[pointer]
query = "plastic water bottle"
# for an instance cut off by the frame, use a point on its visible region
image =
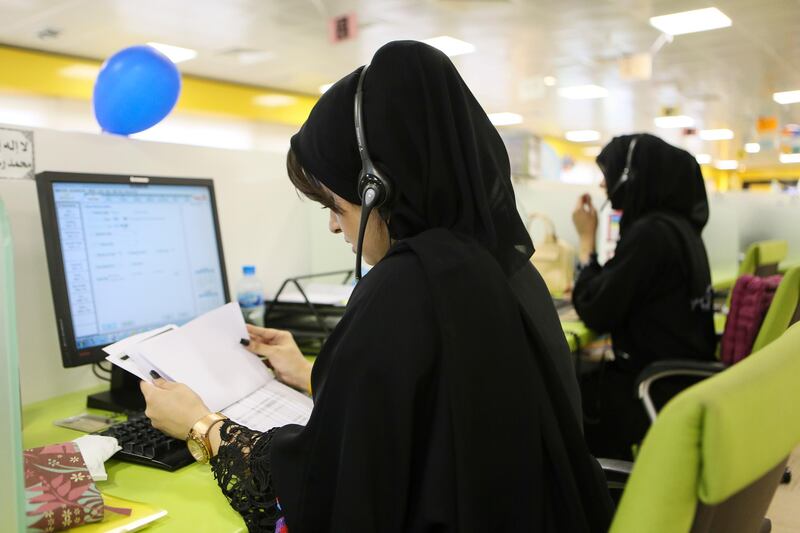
(250, 294)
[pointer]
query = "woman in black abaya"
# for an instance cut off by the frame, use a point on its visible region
(654, 296)
(436, 404)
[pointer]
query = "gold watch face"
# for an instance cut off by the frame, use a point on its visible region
(197, 450)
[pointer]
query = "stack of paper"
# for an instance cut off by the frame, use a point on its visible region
(206, 355)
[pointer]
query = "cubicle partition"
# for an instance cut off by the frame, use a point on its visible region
(12, 501)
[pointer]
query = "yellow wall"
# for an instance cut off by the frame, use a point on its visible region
(38, 73)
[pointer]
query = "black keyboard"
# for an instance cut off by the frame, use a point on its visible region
(145, 445)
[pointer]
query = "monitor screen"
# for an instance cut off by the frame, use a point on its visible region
(130, 257)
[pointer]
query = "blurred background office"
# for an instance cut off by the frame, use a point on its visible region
(559, 79)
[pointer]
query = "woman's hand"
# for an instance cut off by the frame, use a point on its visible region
(172, 407)
(585, 219)
(283, 356)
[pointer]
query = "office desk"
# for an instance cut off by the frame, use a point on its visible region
(578, 335)
(190, 495)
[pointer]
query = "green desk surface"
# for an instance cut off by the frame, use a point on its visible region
(577, 330)
(190, 495)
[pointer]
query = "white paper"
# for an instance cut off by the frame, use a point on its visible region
(121, 354)
(273, 405)
(206, 355)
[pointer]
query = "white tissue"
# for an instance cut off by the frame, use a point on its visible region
(96, 450)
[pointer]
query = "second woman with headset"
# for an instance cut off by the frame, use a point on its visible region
(654, 296)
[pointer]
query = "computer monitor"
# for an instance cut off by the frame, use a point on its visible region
(127, 254)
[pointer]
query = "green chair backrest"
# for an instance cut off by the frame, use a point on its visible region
(12, 502)
(783, 310)
(715, 439)
(763, 253)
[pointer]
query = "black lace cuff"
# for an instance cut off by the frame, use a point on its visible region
(242, 470)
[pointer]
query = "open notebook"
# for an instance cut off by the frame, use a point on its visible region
(206, 354)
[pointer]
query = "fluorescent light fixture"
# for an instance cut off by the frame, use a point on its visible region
(324, 88)
(592, 151)
(726, 164)
(692, 21)
(716, 135)
(752, 148)
(790, 158)
(582, 136)
(787, 97)
(549, 81)
(450, 45)
(703, 159)
(80, 72)
(674, 121)
(176, 54)
(583, 92)
(505, 119)
(274, 100)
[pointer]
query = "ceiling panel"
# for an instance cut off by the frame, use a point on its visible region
(723, 77)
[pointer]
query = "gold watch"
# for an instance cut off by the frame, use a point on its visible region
(197, 440)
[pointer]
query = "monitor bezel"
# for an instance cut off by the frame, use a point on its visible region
(71, 356)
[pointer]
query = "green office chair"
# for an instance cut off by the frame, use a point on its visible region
(762, 258)
(783, 312)
(716, 453)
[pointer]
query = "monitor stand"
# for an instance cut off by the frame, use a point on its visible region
(123, 397)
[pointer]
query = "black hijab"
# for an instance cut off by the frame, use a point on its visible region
(436, 407)
(425, 130)
(662, 178)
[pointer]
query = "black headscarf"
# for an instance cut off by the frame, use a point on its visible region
(435, 405)
(662, 178)
(428, 133)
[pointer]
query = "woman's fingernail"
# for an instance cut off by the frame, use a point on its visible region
(155, 375)
(245, 342)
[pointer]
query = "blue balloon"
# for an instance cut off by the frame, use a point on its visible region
(136, 88)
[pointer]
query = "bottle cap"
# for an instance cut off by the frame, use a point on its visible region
(249, 270)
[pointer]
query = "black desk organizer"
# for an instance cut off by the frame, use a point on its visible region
(309, 322)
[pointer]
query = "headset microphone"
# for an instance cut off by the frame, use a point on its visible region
(374, 189)
(625, 177)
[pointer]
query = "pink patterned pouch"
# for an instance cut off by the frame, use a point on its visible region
(59, 489)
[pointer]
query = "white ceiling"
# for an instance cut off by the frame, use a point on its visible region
(723, 78)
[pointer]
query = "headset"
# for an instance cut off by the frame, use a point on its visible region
(626, 173)
(374, 189)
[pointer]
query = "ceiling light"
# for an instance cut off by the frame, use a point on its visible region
(324, 88)
(582, 136)
(716, 135)
(592, 151)
(674, 121)
(726, 164)
(583, 92)
(81, 72)
(787, 97)
(693, 21)
(703, 159)
(790, 158)
(505, 119)
(274, 100)
(752, 148)
(176, 54)
(549, 81)
(450, 45)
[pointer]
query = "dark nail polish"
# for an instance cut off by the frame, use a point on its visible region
(245, 342)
